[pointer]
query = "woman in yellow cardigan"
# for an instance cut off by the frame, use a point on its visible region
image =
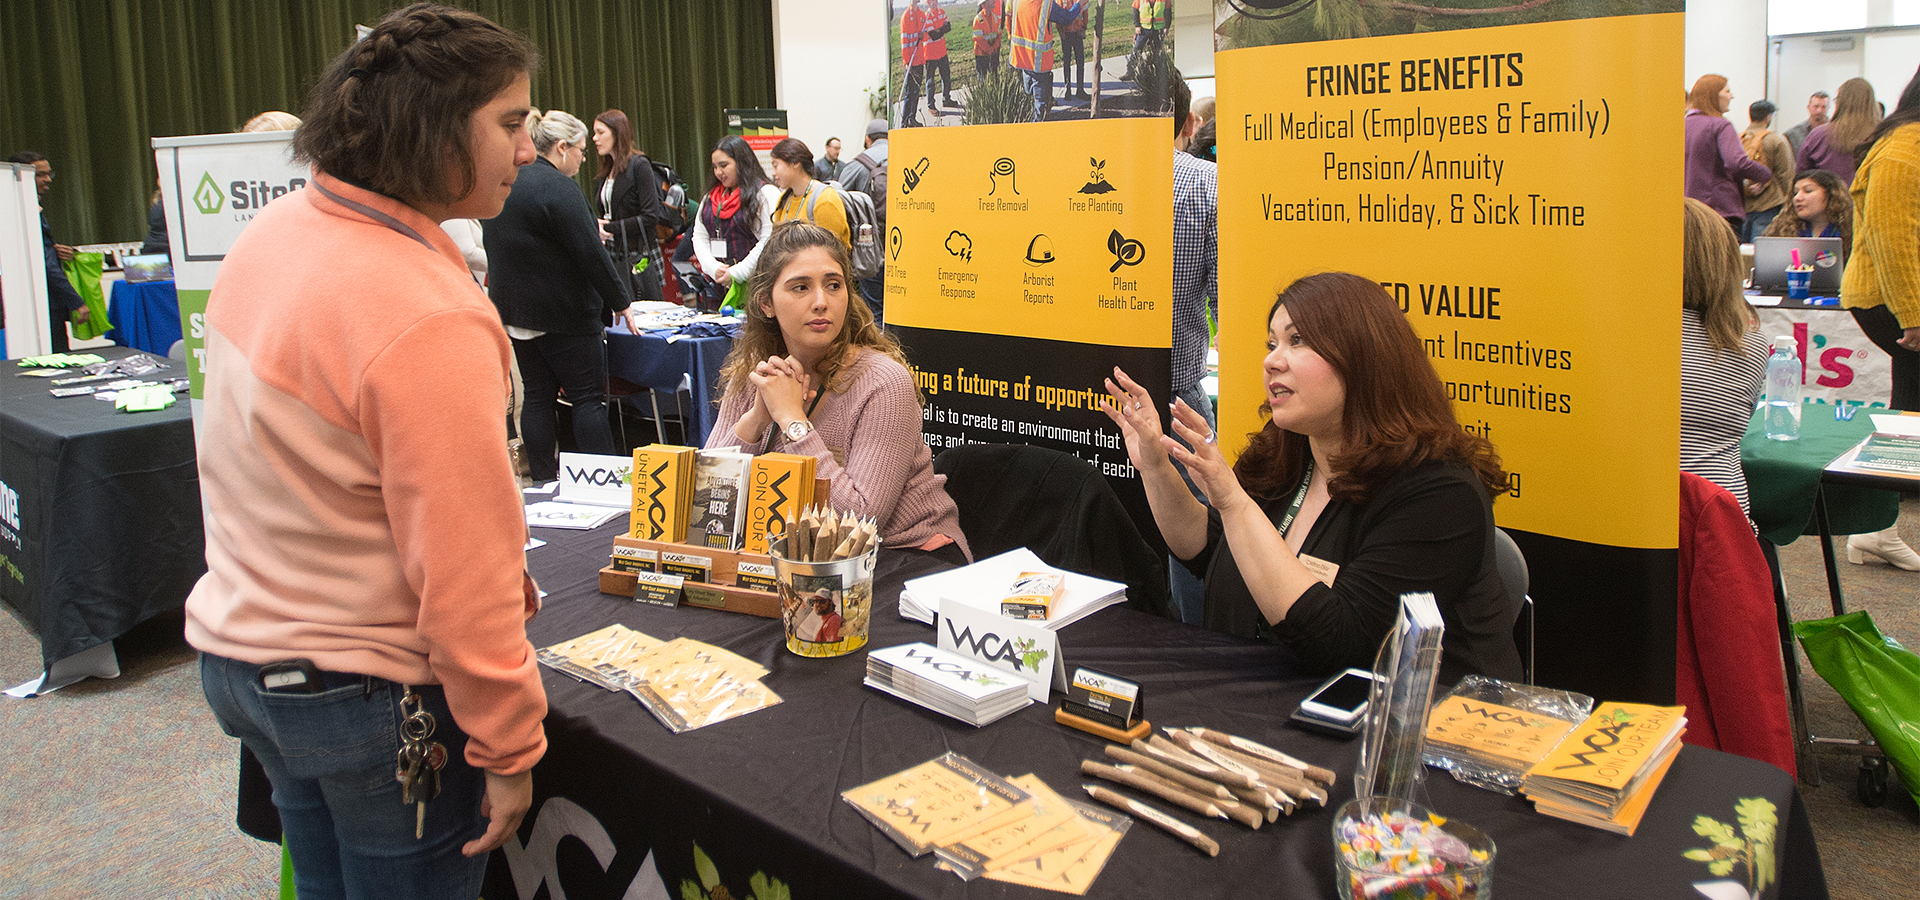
(802, 199)
(1882, 282)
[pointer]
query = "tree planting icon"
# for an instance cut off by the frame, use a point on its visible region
(1097, 182)
(960, 245)
(1002, 168)
(1126, 252)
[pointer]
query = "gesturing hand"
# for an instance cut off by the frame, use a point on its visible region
(1138, 418)
(1204, 463)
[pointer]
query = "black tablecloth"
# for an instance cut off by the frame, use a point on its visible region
(757, 797)
(106, 532)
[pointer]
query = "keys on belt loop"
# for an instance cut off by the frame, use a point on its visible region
(417, 766)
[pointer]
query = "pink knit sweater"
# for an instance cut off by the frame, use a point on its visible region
(868, 441)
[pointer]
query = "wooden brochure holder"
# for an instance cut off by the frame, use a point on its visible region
(723, 592)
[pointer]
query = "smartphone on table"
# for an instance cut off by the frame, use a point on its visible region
(1339, 705)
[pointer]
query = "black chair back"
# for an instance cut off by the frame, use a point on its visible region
(1015, 495)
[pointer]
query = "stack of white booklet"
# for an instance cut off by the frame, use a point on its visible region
(946, 682)
(984, 584)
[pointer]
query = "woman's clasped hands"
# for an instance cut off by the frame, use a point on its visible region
(782, 390)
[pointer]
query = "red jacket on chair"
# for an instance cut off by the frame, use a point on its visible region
(1727, 663)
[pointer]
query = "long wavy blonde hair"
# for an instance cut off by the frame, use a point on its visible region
(760, 337)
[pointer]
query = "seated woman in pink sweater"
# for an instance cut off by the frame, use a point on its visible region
(813, 374)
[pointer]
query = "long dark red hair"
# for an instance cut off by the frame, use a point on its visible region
(1397, 414)
(616, 122)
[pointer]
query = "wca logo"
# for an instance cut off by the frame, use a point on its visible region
(597, 477)
(657, 509)
(1002, 649)
(1498, 716)
(208, 197)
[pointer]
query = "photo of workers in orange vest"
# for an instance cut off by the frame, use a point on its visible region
(934, 48)
(989, 24)
(1099, 50)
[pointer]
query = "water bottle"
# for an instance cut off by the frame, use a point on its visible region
(1783, 391)
(865, 238)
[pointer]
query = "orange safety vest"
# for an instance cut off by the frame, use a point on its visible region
(1031, 34)
(935, 47)
(1155, 18)
(987, 28)
(913, 27)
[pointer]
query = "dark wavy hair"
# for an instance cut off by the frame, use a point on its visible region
(751, 176)
(1839, 209)
(390, 111)
(1397, 414)
(616, 162)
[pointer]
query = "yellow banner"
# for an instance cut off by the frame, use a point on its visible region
(1057, 231)
(1512, 188)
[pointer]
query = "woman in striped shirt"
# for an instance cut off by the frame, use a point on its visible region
(1722, 358)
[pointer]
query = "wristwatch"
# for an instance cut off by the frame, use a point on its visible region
(797, 430)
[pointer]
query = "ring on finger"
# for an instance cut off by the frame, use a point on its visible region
(1211, 438)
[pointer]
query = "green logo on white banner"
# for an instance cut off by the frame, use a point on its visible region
(208, 196)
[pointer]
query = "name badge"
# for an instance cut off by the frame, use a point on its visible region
(1321, 569)
(718, 247)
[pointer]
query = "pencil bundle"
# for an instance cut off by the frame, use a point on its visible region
(824, 535)
(1210, 773)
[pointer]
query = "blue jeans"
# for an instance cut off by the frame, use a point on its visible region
(330, 757)
(549, 363)
(1757, 222)
(1189, 592)
(874, 291)
(1040, 87)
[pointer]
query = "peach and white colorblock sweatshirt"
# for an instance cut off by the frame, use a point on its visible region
(353, 459)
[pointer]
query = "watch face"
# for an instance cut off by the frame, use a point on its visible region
(797, 430)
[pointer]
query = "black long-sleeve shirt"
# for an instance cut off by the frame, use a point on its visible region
(1429, 528)
(546, 268)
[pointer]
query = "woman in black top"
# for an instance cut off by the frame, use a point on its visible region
(555, 286)
(626, 199)
(1361, 487)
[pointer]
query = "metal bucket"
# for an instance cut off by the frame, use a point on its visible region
(826, 607)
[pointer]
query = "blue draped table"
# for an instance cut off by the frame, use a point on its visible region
(144, 316)
(661, 361)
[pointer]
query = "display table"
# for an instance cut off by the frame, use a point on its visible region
(670, 363)
(1783, 478)
(144, 316)
(102, 526)
(758, 796)
(1841, 364)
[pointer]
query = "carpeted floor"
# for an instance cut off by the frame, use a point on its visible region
(125, 788)
(1866, 852)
